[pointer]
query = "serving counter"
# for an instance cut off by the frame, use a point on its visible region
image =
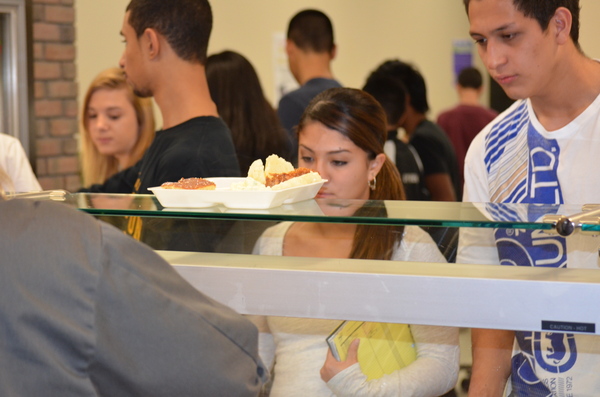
(452, 294)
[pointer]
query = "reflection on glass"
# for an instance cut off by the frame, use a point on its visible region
(339, 207)
(112, 202)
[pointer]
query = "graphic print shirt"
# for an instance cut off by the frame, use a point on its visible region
(516, 160)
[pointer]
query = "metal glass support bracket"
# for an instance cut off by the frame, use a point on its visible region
(567, 225)
(56, 195)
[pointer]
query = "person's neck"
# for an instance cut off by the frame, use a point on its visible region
(576, 84)
(313, 65)
(412, 121)
(469, 96)
(123, 161)
(183, 94)
(326, 230)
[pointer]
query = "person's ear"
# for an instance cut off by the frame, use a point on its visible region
(333, 52)
(408, 103)
(562, 22)
(289, 47)
(375, 165)
(151, 43)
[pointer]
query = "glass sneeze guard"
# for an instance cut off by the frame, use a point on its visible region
(463, 295)
(420, 213)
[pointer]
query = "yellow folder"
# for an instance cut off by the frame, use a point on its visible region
(384, 347)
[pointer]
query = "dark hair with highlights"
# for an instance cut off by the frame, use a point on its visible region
(543, 11)
(359, 117)
(186, 24)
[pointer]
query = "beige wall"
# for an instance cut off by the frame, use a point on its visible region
(367, 32)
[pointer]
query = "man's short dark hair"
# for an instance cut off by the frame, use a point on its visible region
(470, 77)
(389, 92)
(543, 10)
(412, 80)
(311, 30)
(185, 24)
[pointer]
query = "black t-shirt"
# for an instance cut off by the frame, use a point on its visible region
(436, 152)
(200, 147)
(410, 167)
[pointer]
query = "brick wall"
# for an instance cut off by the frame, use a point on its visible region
(55, 94)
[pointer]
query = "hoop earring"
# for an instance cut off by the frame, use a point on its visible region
(373, 183)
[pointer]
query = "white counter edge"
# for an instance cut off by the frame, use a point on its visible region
(478, 296)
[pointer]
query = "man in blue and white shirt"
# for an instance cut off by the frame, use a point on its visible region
(540, 150)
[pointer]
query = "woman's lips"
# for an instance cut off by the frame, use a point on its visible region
(103, 141)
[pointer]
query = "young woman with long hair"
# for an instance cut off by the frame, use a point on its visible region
(341, 135)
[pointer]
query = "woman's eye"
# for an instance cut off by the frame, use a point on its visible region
(306, 159)
(339, 163)
(114, 117)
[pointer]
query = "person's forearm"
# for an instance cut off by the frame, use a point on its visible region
(492, 350)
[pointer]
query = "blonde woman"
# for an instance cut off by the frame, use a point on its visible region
(118, 127)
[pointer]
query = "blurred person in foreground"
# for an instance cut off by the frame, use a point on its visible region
(87, 311)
